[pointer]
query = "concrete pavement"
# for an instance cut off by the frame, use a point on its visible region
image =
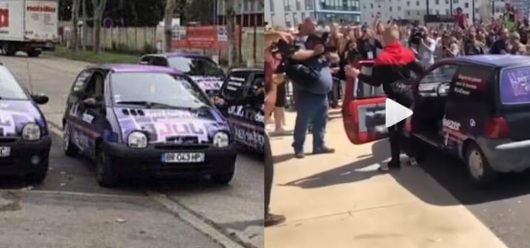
(340, 200)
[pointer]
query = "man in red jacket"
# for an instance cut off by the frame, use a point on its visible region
(396, 63)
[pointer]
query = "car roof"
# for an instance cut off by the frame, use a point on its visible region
(122, 68)
(494, 60)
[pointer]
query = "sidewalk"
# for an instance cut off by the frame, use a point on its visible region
(340, 200)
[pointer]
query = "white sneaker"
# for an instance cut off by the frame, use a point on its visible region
(383, 167)
(413, 162)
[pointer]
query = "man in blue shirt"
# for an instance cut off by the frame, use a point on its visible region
(311, 97)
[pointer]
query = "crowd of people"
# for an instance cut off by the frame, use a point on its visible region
(317, 59)
(348, 44)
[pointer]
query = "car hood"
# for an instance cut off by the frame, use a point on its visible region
(14, 114)
(170, 125)
(208, 82)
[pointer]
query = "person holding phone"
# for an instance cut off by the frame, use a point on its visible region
(272, 79)
(368, 45)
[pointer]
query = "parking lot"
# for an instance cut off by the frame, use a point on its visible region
(182, 212)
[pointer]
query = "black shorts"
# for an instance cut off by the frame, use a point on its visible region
(281, 97)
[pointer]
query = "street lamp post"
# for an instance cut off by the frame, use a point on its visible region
(473, 9)
(492, 8)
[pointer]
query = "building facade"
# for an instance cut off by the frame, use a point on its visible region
(415, 10)
(290, 13)
(249, 13)
(523, 7)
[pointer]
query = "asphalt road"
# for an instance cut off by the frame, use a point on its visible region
(70, 210)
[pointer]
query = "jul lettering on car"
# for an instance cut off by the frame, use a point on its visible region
(249, 137)
(11, 120)
(164, 125)
(246, 113)
(247, 125)
(208, 83)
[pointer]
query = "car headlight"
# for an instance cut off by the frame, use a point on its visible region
(31, 131)
(137, 139)
(221, 139)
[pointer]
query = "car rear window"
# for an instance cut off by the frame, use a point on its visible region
(196, 66)
(515, 85)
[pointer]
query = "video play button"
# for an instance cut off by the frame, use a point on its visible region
(395, 112)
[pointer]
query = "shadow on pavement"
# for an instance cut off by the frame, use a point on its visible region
(452, 175)
(13, 182)
(347, 173)
(282, 158)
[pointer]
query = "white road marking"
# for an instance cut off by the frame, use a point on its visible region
(70, 193)
(193, 220)
(55, 130)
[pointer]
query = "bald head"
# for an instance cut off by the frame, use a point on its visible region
(390, 35)
(308, 26)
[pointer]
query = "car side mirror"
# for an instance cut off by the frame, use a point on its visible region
(40, 98)
(92, 103)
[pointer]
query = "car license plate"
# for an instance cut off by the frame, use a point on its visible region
(183, 157)
(5, 151)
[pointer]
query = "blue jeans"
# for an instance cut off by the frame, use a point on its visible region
(311, 109)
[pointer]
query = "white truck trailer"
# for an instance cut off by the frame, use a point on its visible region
(28, 25)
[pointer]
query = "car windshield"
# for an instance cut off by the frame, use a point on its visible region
(9, 87)
(515, 86)
(158, 90)
(196, 66)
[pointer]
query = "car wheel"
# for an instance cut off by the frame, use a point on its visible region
(8, 50)
(34, 53)
(224, 177)
(480, 171)
(39, 176)
(105, 174)
(69, 148)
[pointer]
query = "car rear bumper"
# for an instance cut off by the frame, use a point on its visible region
(505, 155)
(22, 152)
(129, 161)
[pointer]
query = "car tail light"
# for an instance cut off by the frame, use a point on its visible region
(497, 128)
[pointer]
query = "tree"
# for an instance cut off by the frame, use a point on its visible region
(169, 14)
(99, 9)
(65, 10)
(199, 11)
(231, 30)
(168, 22)
(75, 20)
(85, 26)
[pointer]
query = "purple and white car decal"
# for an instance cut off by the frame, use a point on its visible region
(207, 83)
(15, 114)
(168, 125)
